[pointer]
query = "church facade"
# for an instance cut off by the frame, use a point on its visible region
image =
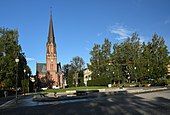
(49, 73)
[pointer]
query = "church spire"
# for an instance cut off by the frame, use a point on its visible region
(51, 38)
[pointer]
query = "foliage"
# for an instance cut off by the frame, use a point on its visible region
(77, 63)
(130, 60)
(102, 81)
(100, 60)
(25, 85)
(9, 45)
(167, 81)
(73, 73)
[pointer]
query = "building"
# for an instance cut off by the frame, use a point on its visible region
(168, 70)
(49, 73)
(87, 75)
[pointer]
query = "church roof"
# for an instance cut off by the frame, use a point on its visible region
(51, 38)
(41, 67)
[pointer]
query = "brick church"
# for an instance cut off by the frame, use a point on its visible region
(49, 73)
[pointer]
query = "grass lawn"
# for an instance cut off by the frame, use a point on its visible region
(75, 88)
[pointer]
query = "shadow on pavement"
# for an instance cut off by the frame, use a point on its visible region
(109, 105)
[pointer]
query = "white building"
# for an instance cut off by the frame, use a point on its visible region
(87, 75)
(169, 69)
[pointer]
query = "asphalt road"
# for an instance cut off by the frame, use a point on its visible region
(156, 103)
(5, 99)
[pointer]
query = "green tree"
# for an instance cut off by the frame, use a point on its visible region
(77, 65)
(100, 59)
(135, 65)
(130, 59)
(9, 45)
(159, 57)
(65, 69)
(95, 60)
(74, 72)
(118, 59)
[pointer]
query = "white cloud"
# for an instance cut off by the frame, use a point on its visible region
(122, 32)
(30, 59)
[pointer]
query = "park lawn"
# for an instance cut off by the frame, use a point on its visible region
(75, 88)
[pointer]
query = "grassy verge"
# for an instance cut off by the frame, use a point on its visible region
(75, 88)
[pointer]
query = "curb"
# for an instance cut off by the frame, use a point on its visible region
(149, 91)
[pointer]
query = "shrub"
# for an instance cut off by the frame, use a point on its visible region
(168, 81)
(101, 81)
(145, 82)
(161, 82)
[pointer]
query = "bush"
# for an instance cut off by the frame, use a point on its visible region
(145, 82)
(101, 81)
(168, 81)
(161, 82)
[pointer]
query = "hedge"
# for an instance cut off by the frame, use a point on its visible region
(102, 81)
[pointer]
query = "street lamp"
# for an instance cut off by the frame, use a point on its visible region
(135, 73)
(16, 96)
(128, 77)
(28, 81)
(113, 78)
(135, 67)
(24, 80)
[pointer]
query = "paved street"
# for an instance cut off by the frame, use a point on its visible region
(5, 99)
(156, 103)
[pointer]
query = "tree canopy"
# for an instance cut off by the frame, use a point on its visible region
(73, 72)
(9, 45)
(130, 59)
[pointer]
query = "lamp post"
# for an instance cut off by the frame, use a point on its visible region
(128, 77)
(135, 67)
(113, 78)
(16, 96)
(28, 81)
(135, 73)
(24, 81)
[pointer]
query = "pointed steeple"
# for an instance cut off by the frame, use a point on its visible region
(51, 38)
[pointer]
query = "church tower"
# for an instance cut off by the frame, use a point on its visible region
(51, 70)
(51, 55)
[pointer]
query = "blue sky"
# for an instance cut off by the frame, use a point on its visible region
(78, 24)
